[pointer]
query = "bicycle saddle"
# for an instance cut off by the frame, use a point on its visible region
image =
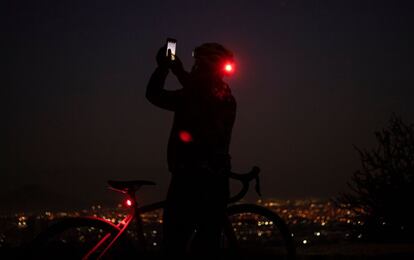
(128, 186)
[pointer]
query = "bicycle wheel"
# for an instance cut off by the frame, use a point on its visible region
(253, 230)
(74, 238)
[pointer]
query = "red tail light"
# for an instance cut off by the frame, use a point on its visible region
(128, 202)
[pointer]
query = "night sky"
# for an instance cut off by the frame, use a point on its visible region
(313, 78)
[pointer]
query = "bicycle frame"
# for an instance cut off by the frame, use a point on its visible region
(114, 232)
(136, 211)
(121, 226)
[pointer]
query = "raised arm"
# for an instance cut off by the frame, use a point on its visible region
(156, 94)
(178, 70)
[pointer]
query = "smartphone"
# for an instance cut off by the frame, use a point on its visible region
(171, 45)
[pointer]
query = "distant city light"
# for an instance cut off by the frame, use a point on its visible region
(305, 241)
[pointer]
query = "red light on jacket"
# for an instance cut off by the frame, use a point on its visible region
(128, 202)
(185, 136)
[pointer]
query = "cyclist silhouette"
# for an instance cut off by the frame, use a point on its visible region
(198, 148)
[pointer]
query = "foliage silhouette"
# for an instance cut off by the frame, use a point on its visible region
(381, 191)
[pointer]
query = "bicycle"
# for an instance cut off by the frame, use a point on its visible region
(249, 228)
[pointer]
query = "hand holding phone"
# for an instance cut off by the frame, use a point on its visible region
(171, 48)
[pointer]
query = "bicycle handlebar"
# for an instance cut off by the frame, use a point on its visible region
(130, 187)
(245, 179)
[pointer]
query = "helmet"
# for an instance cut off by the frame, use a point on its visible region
(212, 51)
(215, 55)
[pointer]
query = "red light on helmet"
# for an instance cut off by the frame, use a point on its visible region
(228, 68)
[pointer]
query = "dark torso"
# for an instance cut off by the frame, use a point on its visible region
(202, 128)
